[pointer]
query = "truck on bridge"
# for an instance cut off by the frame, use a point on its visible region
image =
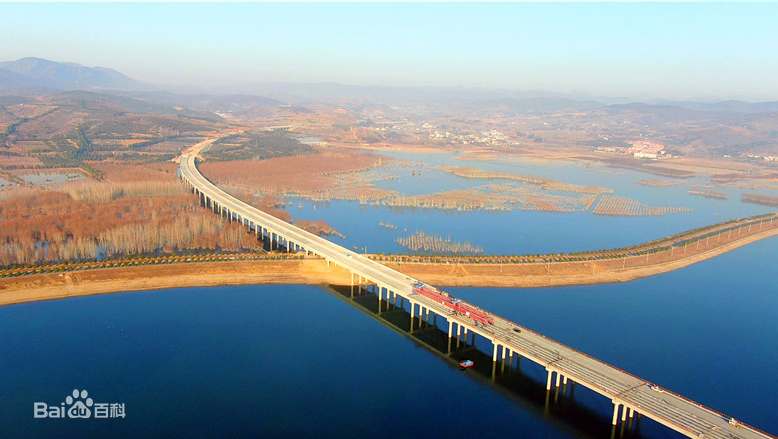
(452, 303)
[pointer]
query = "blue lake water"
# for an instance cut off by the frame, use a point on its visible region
(299, 361)
(525, 232)
(295, 361)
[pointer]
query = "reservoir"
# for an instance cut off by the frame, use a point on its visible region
(300, 361)
(307, 361)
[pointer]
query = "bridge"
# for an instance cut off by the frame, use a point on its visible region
(630, 395)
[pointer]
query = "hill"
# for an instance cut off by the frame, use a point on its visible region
(37, 73)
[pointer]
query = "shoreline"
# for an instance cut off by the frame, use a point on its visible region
(314, 271)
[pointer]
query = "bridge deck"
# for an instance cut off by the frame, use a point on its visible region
(672, 410)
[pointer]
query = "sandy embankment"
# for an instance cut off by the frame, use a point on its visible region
(152, 277)
(315, 271)
(561, 273)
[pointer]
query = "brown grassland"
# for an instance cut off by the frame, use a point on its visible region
(136, 210)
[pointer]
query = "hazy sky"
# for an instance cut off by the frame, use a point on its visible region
(699, 50)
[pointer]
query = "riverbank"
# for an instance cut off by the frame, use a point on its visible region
(557, 274)
(314, 271)
(153, 277)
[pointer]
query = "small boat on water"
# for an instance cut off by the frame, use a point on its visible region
(464, 364)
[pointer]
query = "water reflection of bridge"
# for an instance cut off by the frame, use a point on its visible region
(521, 382)
(510, 342)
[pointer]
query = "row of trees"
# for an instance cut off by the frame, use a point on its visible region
(109, 220)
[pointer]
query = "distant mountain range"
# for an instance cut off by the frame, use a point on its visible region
(29, 74)
(33, 76)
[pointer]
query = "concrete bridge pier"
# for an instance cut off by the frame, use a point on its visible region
(615, 419)
(413, 313)
(510, 358)
(549, 375)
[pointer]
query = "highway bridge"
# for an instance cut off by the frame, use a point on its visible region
(629, 394)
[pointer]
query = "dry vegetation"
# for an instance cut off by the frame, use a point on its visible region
(623, 206)
(716, 195)
(495, 198)
(658, 183)
(349, 175)
(423, 242)
(765, 200)
(103, 219)
(318, 227)
(545, 183)
(331, 174)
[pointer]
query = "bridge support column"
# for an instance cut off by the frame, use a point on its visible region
(450, 329)
(549, 374)
(494, 353)
(624, 414)
(615, 412)
(558, 379)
